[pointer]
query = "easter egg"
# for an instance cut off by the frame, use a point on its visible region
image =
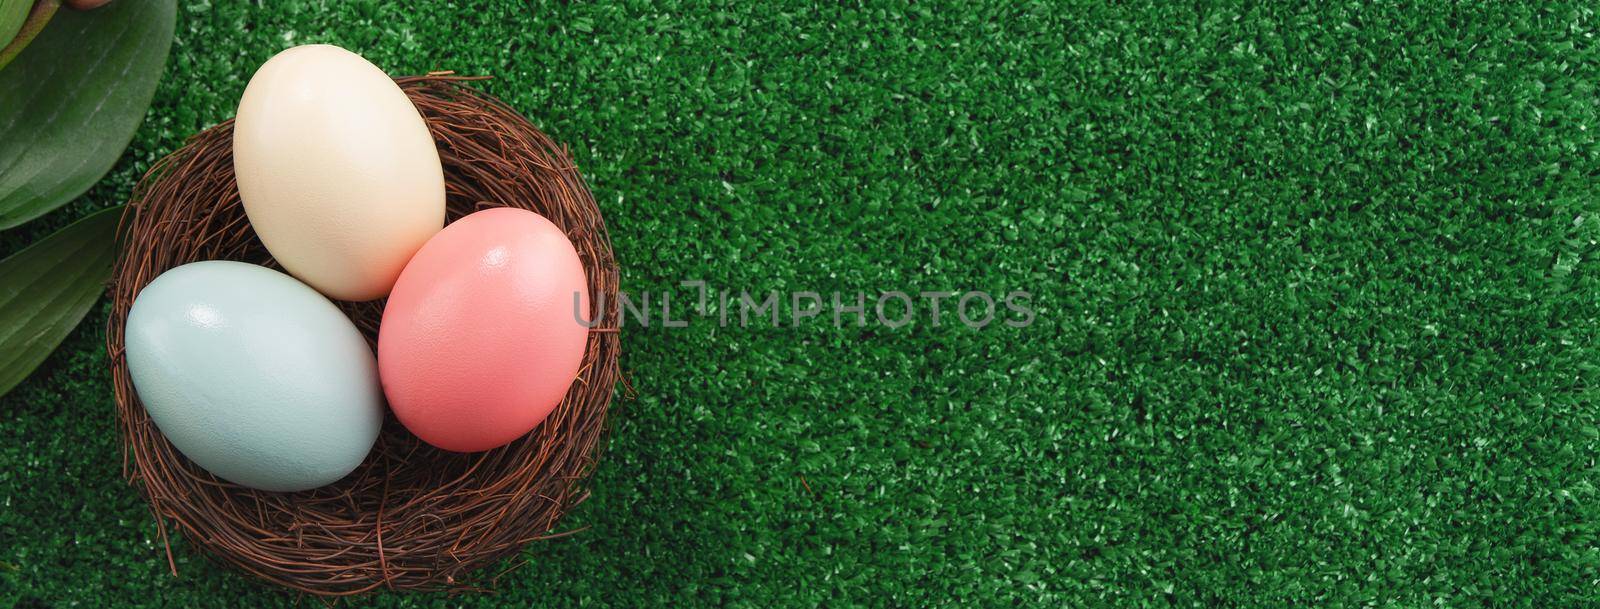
(253, 376)
(336, 170)
(484, 331)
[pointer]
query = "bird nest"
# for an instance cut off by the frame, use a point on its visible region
(411, 516)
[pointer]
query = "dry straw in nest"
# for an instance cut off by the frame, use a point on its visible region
(411, 516)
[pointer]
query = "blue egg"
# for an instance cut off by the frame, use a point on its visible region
(253, 375)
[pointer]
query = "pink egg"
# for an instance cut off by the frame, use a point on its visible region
(479, 340)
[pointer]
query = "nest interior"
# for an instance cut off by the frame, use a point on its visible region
(411, 516)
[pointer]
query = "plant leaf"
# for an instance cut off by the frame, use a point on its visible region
(20, 21)
(12, 15)
(71, 101)
(46, 289)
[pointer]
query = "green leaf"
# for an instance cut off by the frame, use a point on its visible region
(71, 101)
(13, 13)
(20, 21)
(46, 289)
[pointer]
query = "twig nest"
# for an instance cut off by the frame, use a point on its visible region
(411, 515)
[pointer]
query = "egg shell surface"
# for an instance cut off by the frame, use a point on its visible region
(336, 170)
(482, 335)
(253, 375)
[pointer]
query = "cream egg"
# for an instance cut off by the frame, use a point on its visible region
(337, 171)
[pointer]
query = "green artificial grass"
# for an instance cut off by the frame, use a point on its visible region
(1316, 297)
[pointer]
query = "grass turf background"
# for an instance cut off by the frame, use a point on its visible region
(1316, 296)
